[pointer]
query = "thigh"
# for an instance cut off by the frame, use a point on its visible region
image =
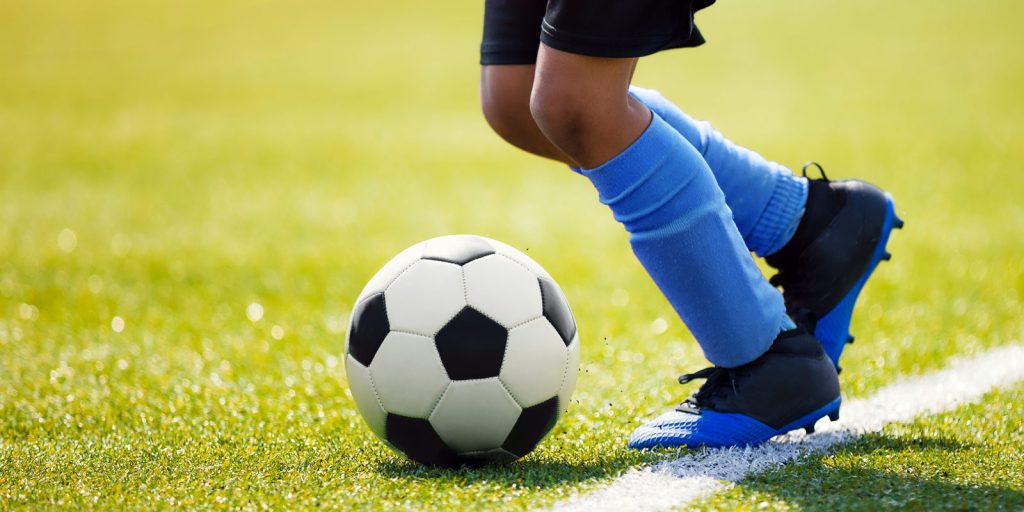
(511, 31)
(620, 28)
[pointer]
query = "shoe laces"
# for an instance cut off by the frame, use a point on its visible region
(811, 163)
(719, 382)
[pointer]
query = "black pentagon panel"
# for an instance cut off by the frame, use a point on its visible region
(471, 346)
(533, 424)
(556, 310)
(457, 249)
(369, 328)
(416, 438)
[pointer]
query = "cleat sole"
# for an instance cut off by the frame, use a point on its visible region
(830, 410)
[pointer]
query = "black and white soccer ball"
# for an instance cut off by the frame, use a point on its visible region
(462, 351)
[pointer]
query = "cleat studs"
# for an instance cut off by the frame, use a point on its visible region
(887, 256)
(809, 428)
(898, 223)
(849, 339)
(834, 416)
(839, 369)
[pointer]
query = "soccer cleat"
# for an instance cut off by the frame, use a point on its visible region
(840, 241)
(791, 386)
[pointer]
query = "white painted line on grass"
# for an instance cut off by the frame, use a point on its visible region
(679, 481)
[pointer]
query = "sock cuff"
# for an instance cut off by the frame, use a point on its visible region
(635, 165)
(781, 215)
(642, 183)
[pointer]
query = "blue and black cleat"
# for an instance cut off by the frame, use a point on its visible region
(837, 246)
(790, 387)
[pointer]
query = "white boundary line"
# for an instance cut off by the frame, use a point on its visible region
(677, 482)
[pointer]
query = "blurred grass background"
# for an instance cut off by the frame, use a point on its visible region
(164, 166)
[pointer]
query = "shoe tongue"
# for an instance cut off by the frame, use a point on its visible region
(823, 203)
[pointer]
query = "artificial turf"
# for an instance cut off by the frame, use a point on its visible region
(165, 167)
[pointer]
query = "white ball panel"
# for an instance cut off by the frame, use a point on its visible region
(361, 385)
(408, 374)
(572, 370)
(503, 290)
(535, 362)
(425, 297)
(475, 415)
(519, 256)
(391, 270)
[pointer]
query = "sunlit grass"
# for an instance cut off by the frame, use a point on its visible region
(163, 167)
(966, 459)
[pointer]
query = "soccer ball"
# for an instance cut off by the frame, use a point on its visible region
(462, 351)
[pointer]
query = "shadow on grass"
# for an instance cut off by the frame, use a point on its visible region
(842, 479)
(528, 473)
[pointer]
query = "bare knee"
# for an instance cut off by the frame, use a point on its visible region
(505, 101)
(506, 111)
(582, 105)
(564, 115)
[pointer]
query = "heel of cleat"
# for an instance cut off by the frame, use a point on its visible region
(834, 327)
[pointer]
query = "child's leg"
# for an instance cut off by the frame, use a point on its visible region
(766, 199)
(660, 187)
(505, 101)
(829, 235)
(663, 192)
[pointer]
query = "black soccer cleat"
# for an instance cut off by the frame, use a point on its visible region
(840, 240)
(790, 387)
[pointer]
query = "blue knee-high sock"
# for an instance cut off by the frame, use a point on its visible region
(681, 230)
(766, 199)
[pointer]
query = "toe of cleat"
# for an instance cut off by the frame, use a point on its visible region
(712, 429)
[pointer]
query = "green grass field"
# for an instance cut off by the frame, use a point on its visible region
(164, 165)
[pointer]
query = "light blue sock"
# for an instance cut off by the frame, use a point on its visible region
(681, 230)
(766, 199)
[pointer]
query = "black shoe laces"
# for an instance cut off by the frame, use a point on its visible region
(720, 381)
(809, 164)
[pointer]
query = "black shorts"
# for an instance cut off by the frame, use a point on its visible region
(514, 29)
